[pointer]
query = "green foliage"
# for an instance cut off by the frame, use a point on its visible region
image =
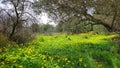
(74, 25)
(100, 29)
(57, 51)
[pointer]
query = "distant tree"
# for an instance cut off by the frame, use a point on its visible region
(35, 27)
(46, 28)
(60, 27)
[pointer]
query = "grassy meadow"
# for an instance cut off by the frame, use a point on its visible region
(85, 50)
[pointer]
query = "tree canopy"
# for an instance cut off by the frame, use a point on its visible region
(105, 12)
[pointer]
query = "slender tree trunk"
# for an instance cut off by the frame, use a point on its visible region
(15, 23)
(113, 21)
(13, 31)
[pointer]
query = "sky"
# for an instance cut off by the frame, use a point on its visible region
(1, 5)
(45, 19)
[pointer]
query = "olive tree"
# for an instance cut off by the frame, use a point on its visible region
(105, 12)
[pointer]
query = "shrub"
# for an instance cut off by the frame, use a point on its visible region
(22, 37)
(3, 40)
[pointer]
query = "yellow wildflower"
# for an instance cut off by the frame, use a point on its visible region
(68, 61)
(20, 66)
(80, 59)
(85, 65)
(2, 63)
(19, 49)
(65, 59)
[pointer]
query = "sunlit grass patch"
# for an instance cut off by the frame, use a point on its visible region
(84, 38)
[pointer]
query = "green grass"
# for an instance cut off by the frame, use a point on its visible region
(62, 51)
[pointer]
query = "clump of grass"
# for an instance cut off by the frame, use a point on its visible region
(41, 39)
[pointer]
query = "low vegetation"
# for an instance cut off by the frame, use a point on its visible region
(86, 50)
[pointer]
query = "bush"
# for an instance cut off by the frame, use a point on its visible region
(3, 40)
(22, 37)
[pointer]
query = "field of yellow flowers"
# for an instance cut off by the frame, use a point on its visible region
(63, 51)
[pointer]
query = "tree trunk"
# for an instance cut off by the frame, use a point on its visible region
(13, 31)
(15, 23)
(113, 21)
